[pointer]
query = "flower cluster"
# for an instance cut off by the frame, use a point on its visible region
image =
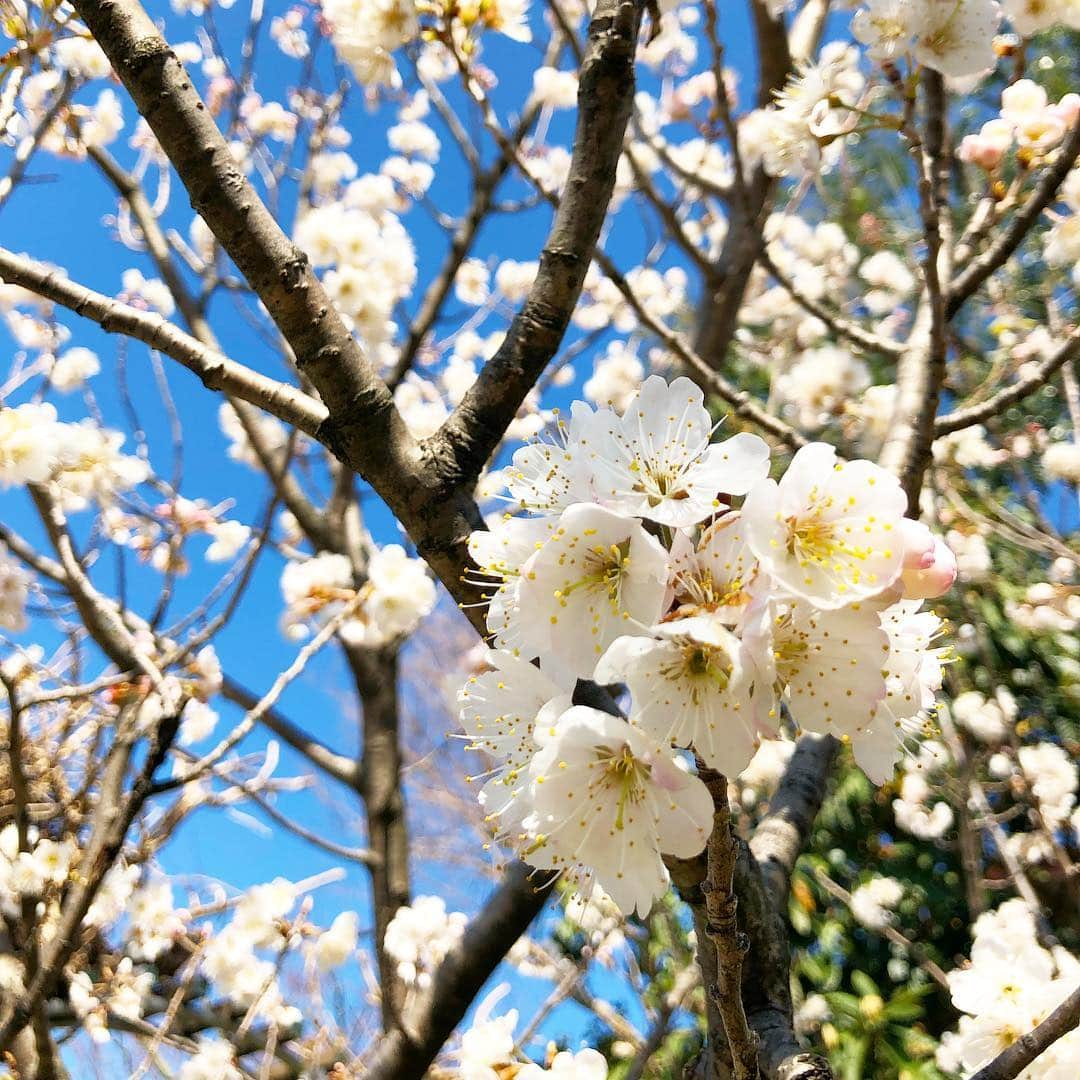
(633, 567)
(82, 459)
(234, 957)
(395, 596)
(488, 1050)
(367, 32)
(419, 936)
(1012, 984)
(1027, 120)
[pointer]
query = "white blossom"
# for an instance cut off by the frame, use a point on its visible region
(419, 936)
(830, 530)
(607, 802)
(656, 460)
(874, 902)
(336, 945)
(598, 571)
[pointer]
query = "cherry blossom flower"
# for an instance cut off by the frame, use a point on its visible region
(826, 665)
(913, 675)
(500, 556)
(606, 802)
(719, 575)
(596, 573)
(872, 903)
(688, 688)
(420, 935)
(499, 711)
(30, 444)
(956, 38)
(586, 1064)
(547, 477)
(929, 565)
(656, 462)
(830, 530)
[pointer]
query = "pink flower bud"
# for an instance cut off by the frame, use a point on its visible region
(976, 150)
(932, 580)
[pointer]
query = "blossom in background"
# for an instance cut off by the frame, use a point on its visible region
(213, 1060)
(14, 590)
(419, 936)
(337, 944)
(397, 594)
(586, 1064)
(1010, 986)
(873, 903)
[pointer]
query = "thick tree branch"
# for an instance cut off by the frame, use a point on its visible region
(761, 878)
(605, 100)
(723, 934)
(405, 1053)
(375, 673)
(921, 370)
(363, 429)
(780, 835)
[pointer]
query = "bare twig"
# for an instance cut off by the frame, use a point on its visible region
(996, 404)
(217, 372)
(605, 99)
(1014, 1060)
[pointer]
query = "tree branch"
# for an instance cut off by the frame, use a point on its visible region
(217, 372)
(836, 322)
(340, 767)
(1014, 1060)
(980, 268)
(605, 99)
(1010, 395)
(761, 878)
(921, 370)
(405, 1053)
(375, 673)
(779, 837)
(723, 933)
